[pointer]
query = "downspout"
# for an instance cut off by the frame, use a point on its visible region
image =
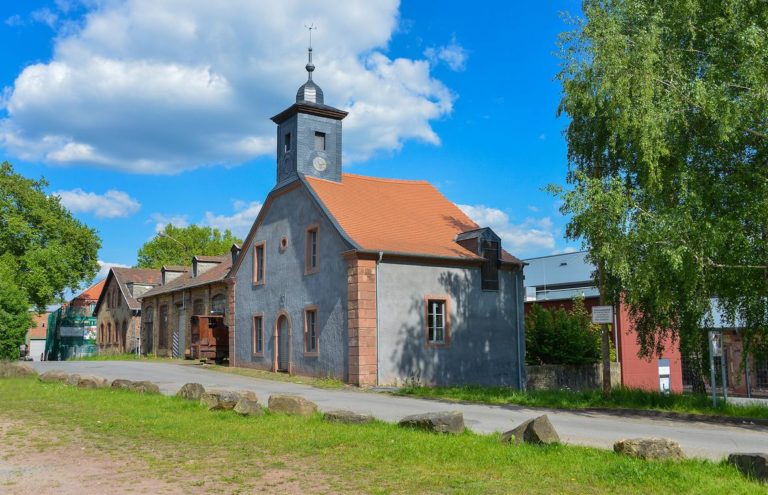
(518, 283)
(378, 368)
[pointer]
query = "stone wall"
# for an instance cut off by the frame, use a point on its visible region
(559, 376)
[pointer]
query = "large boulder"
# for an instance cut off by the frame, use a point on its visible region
(649, 448)
(292, 404)
(191, 391)
(72, 379)
(91, 381)
(220, 400)
(144, 387)
(753, 465)
(54, 376)
(248, 407)
(348, 417)
(537, 431)
(121, 384)
(440, 422)
(16, 369)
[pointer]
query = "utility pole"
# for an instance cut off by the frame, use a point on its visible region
(606, 342)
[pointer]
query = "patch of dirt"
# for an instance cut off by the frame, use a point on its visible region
(35, 461)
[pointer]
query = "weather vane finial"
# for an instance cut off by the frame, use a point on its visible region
(310, 67)
(310, 28)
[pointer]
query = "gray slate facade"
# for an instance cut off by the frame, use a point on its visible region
(390, 305)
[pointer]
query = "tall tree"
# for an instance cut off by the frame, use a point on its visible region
(668, 154)
(177, 245)
(43, 250)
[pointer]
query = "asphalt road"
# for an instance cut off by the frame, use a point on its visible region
(697, 439)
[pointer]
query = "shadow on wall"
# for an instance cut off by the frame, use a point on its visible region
(482, 348)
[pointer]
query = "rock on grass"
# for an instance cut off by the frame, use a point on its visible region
(535, 431)
(292, 404)
(649, 448)
(440, 422)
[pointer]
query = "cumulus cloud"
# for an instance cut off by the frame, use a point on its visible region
(521, 239)
(104, 267)
(161, 87)
(239, 223)
(161, 220)
(453, 55)
(111, 204)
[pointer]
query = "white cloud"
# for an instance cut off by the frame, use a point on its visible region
(534, 209)
(161, 87)
(162, 220)
(111, 204)
(453, 55)
(239, 223)
(14, 21)
(519, 239)
(45, 16)
(104, 267)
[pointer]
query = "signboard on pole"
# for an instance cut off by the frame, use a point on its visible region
(602, 315)
(71, 332)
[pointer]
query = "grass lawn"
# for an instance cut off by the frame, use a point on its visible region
(182, 442)
(563, 399)
(126, 357)
(253, 373)
(281, 377)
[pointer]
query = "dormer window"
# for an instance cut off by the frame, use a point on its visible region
(319, 141)
(490, 268)
(287, 142)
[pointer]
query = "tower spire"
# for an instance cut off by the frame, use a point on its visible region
(310, 66)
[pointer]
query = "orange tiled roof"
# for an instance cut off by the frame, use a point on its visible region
(93, 292)
(40, 331)
(395, 216)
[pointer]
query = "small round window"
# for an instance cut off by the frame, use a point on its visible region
(283, 243)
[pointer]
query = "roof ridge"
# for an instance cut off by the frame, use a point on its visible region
(384, 179)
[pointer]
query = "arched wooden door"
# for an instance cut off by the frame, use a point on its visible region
(283, 347)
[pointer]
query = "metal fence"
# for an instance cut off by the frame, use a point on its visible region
(71, 334)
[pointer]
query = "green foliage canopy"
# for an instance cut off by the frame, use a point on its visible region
(43, 250)
(177, 245)
(668, 154)
(557, 336)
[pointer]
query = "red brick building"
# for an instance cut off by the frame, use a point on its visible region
(553, 281)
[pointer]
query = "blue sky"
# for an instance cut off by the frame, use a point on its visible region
(140, 112)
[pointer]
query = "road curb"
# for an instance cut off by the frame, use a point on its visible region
(622, 412)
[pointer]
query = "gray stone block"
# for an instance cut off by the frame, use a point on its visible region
(753, 465)
(292, 404)
(144, 387)
(121, 384)
(248, 407)
(649, 448)
(440, 422)
(537, 431)
(220, 400)
(54, 376)
(16, 369)
(191, 391)
(348, 417)
(90, 381)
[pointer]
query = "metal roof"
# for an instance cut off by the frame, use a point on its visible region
(559, 269)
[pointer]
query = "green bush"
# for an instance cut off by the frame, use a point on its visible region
(557, 336)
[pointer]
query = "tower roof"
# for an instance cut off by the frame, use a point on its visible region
(309, 92)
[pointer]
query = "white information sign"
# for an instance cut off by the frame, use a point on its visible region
(71, 331)
(602, 314)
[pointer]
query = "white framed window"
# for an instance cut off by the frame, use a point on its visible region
(437, 322)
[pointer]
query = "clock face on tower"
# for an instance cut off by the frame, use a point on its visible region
(319, 163)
